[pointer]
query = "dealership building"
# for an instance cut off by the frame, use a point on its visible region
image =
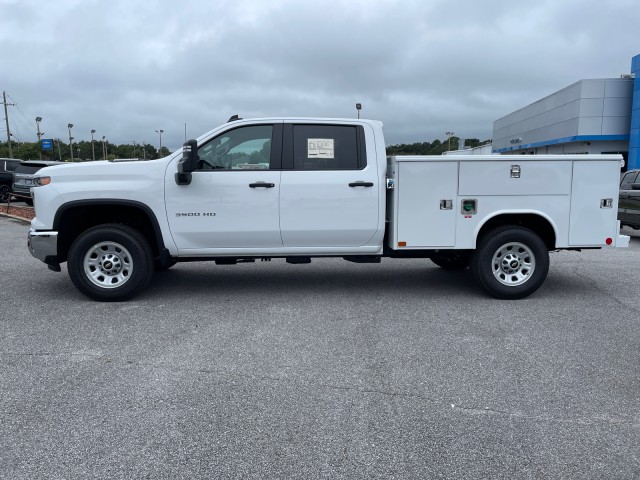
(590, 116)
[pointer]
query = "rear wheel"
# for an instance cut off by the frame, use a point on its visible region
(110, 262)
(510, 262)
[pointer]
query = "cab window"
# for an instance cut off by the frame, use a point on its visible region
(628, 179)
(328, 147)
(244, 148)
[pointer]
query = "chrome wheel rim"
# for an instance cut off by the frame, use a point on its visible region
(513, 264)
(108, 265)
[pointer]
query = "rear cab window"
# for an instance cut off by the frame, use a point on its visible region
(324, 147)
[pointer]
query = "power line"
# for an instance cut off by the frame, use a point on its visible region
(26, 124)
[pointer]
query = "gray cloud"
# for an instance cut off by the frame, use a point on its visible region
(422, 67)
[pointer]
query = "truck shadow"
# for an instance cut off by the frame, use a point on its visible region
(338, 279)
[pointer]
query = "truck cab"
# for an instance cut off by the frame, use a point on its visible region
(270, 186)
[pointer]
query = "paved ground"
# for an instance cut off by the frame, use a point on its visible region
(328, 370)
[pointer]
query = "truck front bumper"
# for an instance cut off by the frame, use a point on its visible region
(43, 246)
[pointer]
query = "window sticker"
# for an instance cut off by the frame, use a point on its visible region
(320, 148)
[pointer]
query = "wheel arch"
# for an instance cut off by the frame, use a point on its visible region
(76, 217)
(538, 222)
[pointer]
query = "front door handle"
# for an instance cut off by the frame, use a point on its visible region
(361, 184)
(262, 185)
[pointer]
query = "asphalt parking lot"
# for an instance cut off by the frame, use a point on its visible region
(327, 370)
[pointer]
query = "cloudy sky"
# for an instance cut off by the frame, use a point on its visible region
(128, 68)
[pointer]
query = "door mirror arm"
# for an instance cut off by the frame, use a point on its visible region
(188, 163)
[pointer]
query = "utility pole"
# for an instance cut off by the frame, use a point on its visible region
(38, 120)
(6, 120)
(93, 148)
(449, 134)
(104, 148)
(160, 132)
(70, 126)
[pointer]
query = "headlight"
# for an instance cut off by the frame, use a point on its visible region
(41, 181)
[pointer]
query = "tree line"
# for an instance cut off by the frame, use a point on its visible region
(82, 151)
(436, 147)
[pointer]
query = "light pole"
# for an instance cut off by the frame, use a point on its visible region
(38, 120)
(160, 132)
(93, 148)
(78, 147)
(70, 126)
(358, 108)
(104, 148)
(449, 134)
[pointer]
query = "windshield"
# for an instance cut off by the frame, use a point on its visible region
(28, 169)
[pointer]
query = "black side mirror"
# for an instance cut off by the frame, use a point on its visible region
(635, 186)
(188, 163)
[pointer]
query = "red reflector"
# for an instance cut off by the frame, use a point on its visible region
(402, 244)
(609, 241)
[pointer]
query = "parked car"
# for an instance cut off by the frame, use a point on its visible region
(629, 203)
(7, 167)
(23, 176)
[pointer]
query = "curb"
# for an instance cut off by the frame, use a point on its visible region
(15, 217)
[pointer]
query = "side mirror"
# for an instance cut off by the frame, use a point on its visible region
(188, 163)
(635, 186)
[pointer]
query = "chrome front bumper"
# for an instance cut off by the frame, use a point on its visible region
(43, 245)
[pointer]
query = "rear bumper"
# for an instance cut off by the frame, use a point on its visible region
(43, 246)
(622, 241)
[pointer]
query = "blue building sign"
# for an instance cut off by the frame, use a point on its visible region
(47, 144)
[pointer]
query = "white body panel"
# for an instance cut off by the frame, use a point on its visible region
(421, 221)
(565, 190)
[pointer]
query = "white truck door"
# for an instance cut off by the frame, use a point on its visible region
(329, 187)
(232, 201)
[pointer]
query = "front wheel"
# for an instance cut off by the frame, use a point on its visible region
(110, 262)
(510, 262)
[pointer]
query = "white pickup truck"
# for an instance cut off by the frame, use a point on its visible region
(298, 188)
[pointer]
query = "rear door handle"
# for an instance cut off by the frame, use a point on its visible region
(361, 184)
(262, 185)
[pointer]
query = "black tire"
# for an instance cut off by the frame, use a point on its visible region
(110, 262)
(510, 262)
(5, 193)
(453, 260)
